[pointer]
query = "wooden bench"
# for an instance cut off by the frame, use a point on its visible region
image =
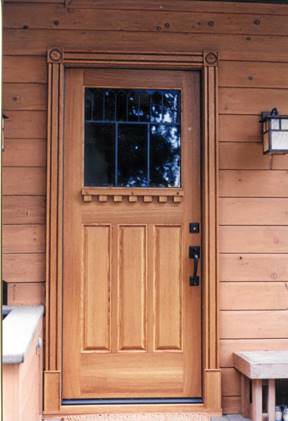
(258, 366)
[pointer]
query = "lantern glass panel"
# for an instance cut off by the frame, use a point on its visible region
(275, 124)
(279, 141)
(284, 124)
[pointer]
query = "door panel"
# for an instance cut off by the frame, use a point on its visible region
(132, 322)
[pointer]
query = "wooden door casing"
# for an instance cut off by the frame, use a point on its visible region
(146, 340)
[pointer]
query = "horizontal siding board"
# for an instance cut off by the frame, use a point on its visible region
(253, 267)
(227, 347)
(23, 239)
(240, 156)
(24, 153)
(230, 382)
(24, 69)
(24, 209)
(24, 96)
(254, 324)
(26, 293)
(51, 16)
(240, 47)
(280, 162)
(24, 181)
(254, 295)
(25, 125)
(258, 183)
(21, 267)
(253, 211)
(231, 404)
(252, 100)
(253, 74)
(251, 239)
(186, 5)
(242, 128)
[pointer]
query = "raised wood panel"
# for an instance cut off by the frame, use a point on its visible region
(253, 74)
(228, 346)
(132, 287)
(240, 47)
(24, 96)
(26, 293)
(51, 17)
(254, 295)
(23, 239)
(254, 324)
(32, 181)
(253, 267)
(243, 128)
(231, 404)
(253, 211)
(24, 267)
(24, 153)
(25, 125)
(251, 100)
(168, 282)
(242, 156)
(97, 288)
(24, 69)
(243, 239)
(24, 209)
(280, 162)
(230, 382)
(258, 183)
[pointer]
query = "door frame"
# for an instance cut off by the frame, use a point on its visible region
(207, 62)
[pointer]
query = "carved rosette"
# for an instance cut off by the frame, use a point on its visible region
(210, 58)
(55, 55)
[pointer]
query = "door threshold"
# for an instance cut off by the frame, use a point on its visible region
(134, 401)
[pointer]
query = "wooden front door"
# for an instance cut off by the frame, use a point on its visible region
(131, 319)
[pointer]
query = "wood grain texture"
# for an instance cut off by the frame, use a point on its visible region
(280, 162)
(24, 69)
(23, 239)
(26, 293)
(24, 209)
(254, 324)
(32, 181)
(231, 404)
(230, 382)
(254, 183)
(253, 75)
(243, 239)
(251, 211)
(25, 125)
(243, 156)
(24, 153)
(254, 295)
(242, 128)
(21, 267)
(253, 267)
(24, 96)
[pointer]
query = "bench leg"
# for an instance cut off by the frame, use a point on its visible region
(257, 414)
(245, 396)
(271, 400)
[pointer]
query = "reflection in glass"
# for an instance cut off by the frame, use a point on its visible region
(132, 137)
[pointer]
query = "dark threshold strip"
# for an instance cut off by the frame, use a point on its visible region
(132, 401)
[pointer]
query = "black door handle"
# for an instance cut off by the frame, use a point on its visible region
(194, 253)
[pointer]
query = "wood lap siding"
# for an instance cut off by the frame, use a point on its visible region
(252, 41)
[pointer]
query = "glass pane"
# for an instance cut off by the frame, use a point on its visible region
(99, 154)
(132, 137)
(132, 156)
(165, 156)
(279, 140)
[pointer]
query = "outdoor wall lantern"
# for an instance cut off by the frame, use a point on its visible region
(274, 132)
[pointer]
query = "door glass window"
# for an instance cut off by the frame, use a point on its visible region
(132, 138)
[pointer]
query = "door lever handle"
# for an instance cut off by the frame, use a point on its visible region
(194, 253)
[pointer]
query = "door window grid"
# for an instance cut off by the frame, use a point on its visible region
(132, 137)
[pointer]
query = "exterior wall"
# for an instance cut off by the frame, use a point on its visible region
(252, 41)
